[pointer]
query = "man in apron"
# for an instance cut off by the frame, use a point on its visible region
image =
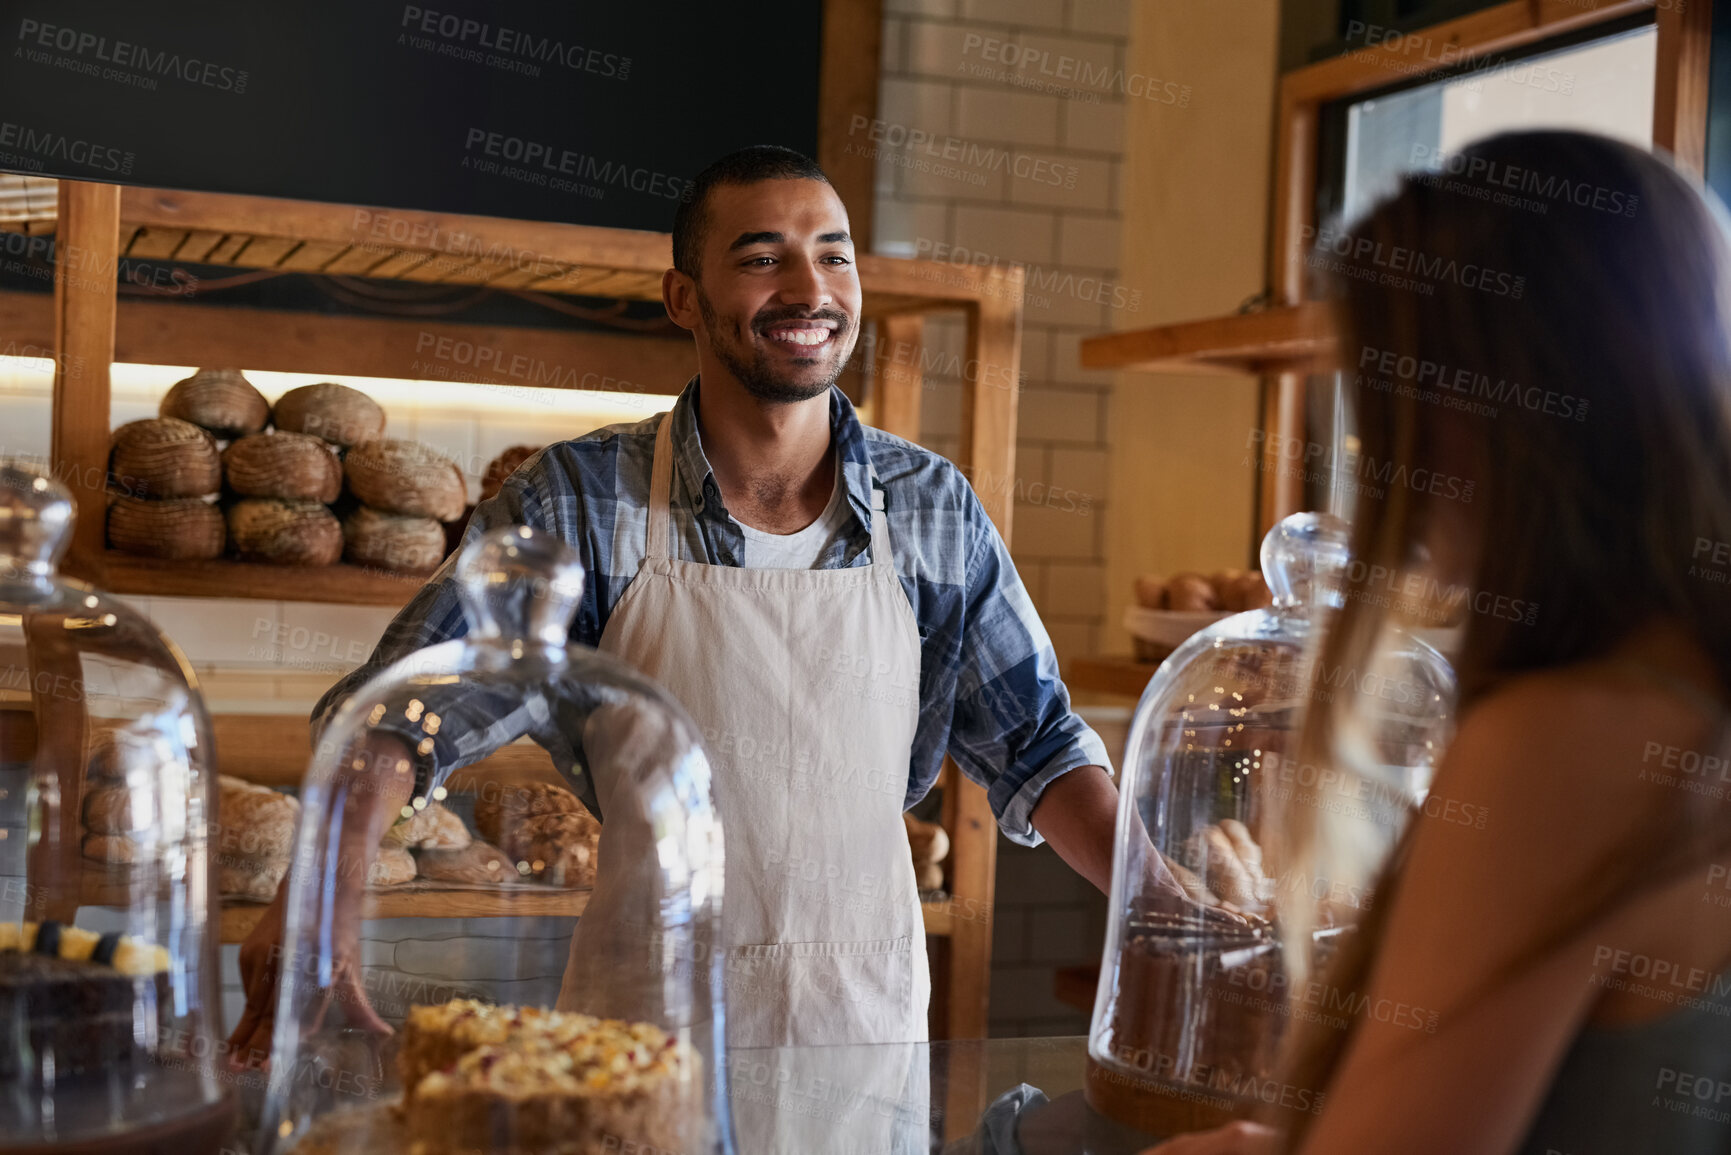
(830, 604)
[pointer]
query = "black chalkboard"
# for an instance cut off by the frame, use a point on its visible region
(579, 112)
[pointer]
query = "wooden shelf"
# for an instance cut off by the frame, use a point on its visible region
(238, 918)
(1295, 338)
(1109, 675)
(126, 573)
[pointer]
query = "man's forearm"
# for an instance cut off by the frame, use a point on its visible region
(1078, 815)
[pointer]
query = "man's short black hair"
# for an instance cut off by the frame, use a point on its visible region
(747, 166)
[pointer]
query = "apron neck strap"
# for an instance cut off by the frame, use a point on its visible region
(660, 488)
(882, 557)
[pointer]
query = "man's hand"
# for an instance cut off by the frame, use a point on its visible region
(369, 791)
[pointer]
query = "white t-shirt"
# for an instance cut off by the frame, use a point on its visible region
(802, 549)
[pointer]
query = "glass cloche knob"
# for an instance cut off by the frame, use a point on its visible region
(1304, 559)
(519, 583)
(35, 522)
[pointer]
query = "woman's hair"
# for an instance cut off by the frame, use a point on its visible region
(1535, 346)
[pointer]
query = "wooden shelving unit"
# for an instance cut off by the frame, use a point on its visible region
(1119, 674)
(89, 328)
(1292, 338)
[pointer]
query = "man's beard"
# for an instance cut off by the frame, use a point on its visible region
(761, 379)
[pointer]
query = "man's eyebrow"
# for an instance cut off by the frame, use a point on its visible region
(834, 239)
(744, 240)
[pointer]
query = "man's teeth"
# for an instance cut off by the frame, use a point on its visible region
(801, 336)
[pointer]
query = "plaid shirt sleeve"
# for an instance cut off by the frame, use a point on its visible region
(1012, 729)
(476, 721)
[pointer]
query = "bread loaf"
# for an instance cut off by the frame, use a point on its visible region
(220, 401)
(434, 828)
(285, 532)
(1190, 592)
(163, 457)
(392, 541)
(1151, 592)
(499, 808)
(115, 849)
(294, 466)
(111, 754)
(254, 823)
(108, 809)
(559, 848)
(254, 880)
(929, 842)
(336, 413)
(405, 477)
(504, 466)
(393, 866)
(478, 862)
(184, 529)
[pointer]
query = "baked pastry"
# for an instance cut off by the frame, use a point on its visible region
(181, 529)
(294, 466)
(393, 541)
(114, 849)
(71, 994)
(163, 457)
(220, 401)
(434, 828)
(285, 532)
(335, 413)
(543, 829)
(480, 1078)
(503, 466)
(392, 867)
(406, 477)
(498, 808)
(479, 862)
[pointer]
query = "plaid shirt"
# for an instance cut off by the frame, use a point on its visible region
(990, 694)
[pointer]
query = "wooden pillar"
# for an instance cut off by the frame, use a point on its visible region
(1684, 53)
(54, 860)
(899, 383)
(86, 255)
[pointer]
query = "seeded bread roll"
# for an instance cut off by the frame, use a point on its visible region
(406, 477)
(393, 541)
(183, 529)
(560, 849)
(293, 466)
(256, 824)
(285, 532)
(164, 457)
(220, 401)
(336, 413)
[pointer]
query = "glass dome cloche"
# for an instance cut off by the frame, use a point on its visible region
(108, 961)
(399, 1029)
(1213, 940)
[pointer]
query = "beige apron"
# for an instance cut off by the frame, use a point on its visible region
(805, 684)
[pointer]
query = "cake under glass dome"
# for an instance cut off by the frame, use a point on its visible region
(1201, 976)
(622, 1048)
(108, 962)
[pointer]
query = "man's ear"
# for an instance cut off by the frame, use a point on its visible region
(679, 298)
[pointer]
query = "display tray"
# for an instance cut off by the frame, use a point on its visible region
(376, 1127)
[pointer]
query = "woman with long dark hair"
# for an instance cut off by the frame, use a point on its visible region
(1569, 353)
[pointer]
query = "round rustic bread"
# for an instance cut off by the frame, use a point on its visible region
(220, 401)
(504, 466)
(288, 465)
(340, 415)
(164, 457)
(393, 541)
(282, 532)
(406, 477)
(181, 529)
